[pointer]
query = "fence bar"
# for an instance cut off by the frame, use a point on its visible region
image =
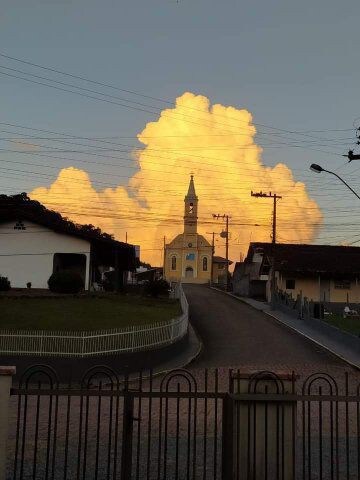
(6, 374)
(228, 439)
(127, 437)
(205, 429)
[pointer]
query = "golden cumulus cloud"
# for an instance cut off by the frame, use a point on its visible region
(216, 144)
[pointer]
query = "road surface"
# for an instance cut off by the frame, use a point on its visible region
(235, 334)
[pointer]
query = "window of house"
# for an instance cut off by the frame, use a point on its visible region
(205, 264)
(290, 284)
(342, 284)
(173, 263)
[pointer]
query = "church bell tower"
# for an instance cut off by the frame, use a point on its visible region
(191, 209)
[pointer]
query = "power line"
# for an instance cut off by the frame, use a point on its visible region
(103, 84)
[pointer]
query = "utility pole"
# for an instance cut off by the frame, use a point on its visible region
(164, 247)
(226, 234)
(275, 198)
(212, 255)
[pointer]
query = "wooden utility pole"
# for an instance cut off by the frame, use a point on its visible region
(226, 218)
(164, 249)
(212, 255)
(275, 198)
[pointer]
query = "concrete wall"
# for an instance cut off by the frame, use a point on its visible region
(242, 286)
(27, 255)
(308, 286)
(219, 273)
(313, 289)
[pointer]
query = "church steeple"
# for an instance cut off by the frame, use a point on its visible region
(191, 206)
(191, 191)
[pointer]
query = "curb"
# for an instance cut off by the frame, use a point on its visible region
(319, 344)
(290, 327)
(187, 362)
(239, 299)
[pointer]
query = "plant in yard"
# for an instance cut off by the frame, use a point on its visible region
(28, 285)
(108, 283)
(65, 282)
(155, 288)
(5, 284)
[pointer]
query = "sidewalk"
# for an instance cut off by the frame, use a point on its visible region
(324, 340)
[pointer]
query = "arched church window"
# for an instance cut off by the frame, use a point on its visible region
(173, 263)
(205, 264)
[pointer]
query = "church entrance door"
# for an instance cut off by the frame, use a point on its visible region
(189, 272)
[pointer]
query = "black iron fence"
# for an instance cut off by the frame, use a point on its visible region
(210, 424)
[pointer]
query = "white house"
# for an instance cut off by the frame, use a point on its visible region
(35, 242)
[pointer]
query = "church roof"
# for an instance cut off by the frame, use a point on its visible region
(191, 191)
(178, 241)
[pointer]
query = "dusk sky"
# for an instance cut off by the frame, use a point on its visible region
(292, 65)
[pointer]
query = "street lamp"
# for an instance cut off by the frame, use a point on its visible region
(318, 169)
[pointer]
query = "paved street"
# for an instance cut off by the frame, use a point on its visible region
(235, 334)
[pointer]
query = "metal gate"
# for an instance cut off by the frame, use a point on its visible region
(208, 424)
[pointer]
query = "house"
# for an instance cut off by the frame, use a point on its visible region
(36, 242)
(219, 269)
(187, 258)
(319, 272)
(148, 274)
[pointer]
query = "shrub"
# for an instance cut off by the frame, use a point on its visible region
(111, 283)
(156, 287)
(65, 282)
(5, 284)
(108, 283)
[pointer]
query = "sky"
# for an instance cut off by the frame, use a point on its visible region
(291, 65)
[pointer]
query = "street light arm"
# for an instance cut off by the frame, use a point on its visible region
(343, 181)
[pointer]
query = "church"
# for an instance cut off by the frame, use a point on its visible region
(188, 258)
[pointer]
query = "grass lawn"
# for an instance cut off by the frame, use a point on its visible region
(351, 325)
(84, 313)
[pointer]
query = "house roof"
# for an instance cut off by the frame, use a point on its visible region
(217, 259)
(301, 258)
(21, 207)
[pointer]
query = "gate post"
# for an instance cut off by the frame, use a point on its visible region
(6, 374)
(265, 429)
(227, 454)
